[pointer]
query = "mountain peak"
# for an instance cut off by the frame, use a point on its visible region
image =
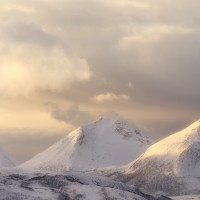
(102, 143)
(100, 119)
(103, 120)
(174, 159)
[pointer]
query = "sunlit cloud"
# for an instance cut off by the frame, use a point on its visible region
(136, 4)
(153, 33)
(109, 97)
(17, 7)
(51, 69)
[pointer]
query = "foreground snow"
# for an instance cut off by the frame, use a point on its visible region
(66, 186)
(99, 144)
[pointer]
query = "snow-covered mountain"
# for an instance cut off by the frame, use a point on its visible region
(100, 144)
(6, 160)
(172, 165)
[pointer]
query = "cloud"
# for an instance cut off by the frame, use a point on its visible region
(33, 57)
(24, 32)
(40, 69)
(109, 97)
(89, 53)
(112, 42)
(72, 115)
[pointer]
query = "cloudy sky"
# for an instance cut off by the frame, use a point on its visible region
(64, 63)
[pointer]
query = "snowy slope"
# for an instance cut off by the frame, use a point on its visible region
(68, 186)
(180, 151)
(6, 160)
(172, 165)
(99, 144)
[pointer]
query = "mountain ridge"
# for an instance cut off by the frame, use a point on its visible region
(102, 143)
(171, 165)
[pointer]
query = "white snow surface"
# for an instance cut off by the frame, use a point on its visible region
(180, 152)
(23, 185)
(171, 166)
(6, 160)
(100, 144)
(187, 197)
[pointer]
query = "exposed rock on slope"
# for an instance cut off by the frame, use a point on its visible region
(172, 165)
(67, 186)
(99, 144)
